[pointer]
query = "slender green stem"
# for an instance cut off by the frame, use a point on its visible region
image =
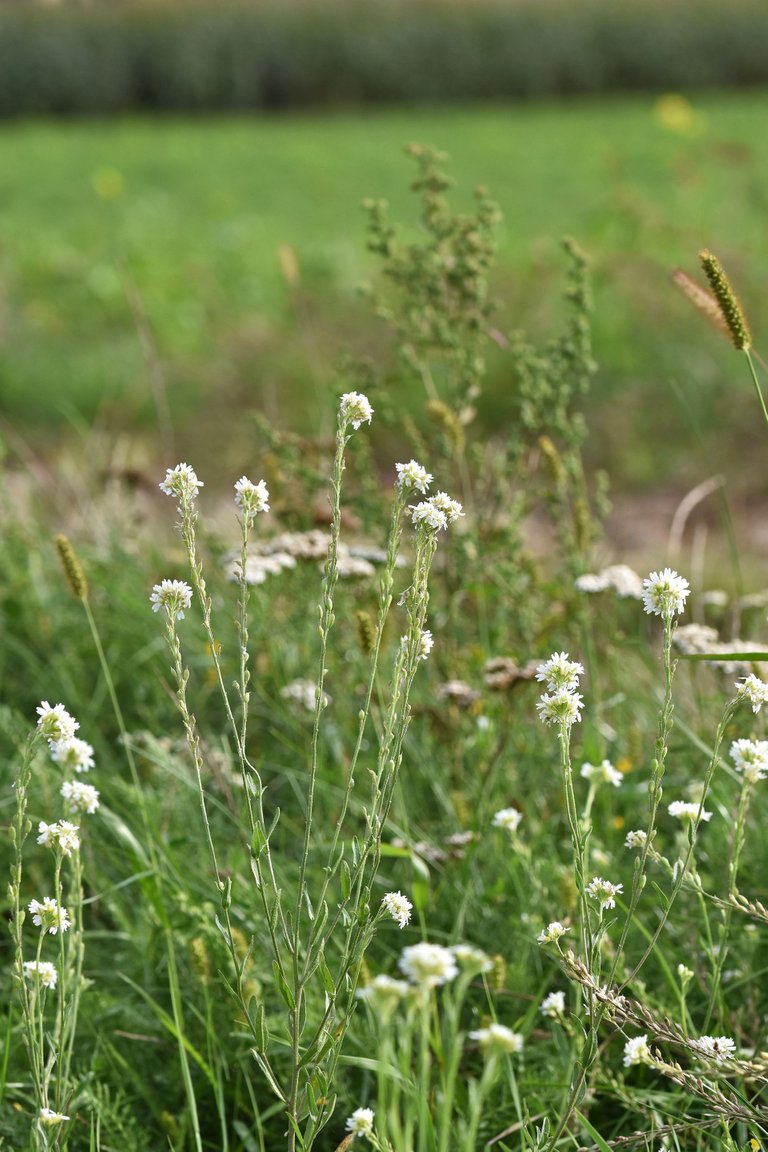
(756, 382)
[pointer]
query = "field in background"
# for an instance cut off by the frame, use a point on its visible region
(238, 245)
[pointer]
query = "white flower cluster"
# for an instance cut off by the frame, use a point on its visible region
(49, 915)
(55, 722)
(472, 959)
(360, 1123)
(604, 891)
(412, 475)
(383, 993)
(497, 1038)
(251, 498)
(636, 838)
(428, 965)
(553, 1005)
(750, 757)
(41, 971)
(636, 1051)
(61, 834)
(552, 933)
(436, 513)
(561, 703)
(665, 593)
(304, 692)
(624, 581)
(716, 1048)
(355, 409)
(687, 810)
(182, 483)
(755, 690)
(604, 773)
(173, 595)
(509, 819)
(398, 907)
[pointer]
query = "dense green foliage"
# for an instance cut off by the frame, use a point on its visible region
(115, 58)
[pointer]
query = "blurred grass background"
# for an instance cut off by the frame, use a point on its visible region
(214, 263)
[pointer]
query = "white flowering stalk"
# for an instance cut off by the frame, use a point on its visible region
(398, 907)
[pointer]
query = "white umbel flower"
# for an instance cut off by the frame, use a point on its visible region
(552, 932)
(636, 838)
(42, 971)
(398, 907)
(687, 810)
(182, 483)
(251, 498)
(383, 993)
(74, 754)
(428, 965)
(436, 513)
(472, 959)
(665, 593)
(561, 707)
(55, 722)
(49, 915)
(80, 797)
(508, 818)
(636, 1051)
(173, 595)
(604, 891)
(49, 1119)
(497, 1038)
(412, 475)
(62, 835)
(355, 409)
(755, 690)
(360, 1123)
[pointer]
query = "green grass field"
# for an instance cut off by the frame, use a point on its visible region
(193, 214)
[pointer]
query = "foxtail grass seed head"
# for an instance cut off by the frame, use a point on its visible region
(61, 835)
(750, 757)
(41, 971)
(50, 1119)
(428, 965)
(553, 1005)
(727, 300)
(412, 475)
(687, 810)
(636, 839)
(700, 299)
(49, 915)
(552, 933)
(73, 569)
(172, 595)
(360, 1123)
(603, 773)
(182, 483)
(55, 722)
(754, 690)
(398, 907)
(665, 593)
(471, 959)
(366, 632)
(74, 754)
(559, 672)
(636, 1051)
(715, 1048)
(497, 1039)
(604, 891)
(80, 797)
(561, 707)
(251, 498)
(509, 819)
(355, 409)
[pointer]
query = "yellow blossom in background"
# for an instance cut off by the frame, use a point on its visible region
(108, 183)
(675, 113)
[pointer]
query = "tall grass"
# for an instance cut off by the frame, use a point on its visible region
(342, 884)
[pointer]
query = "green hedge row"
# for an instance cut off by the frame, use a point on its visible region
(91, 60)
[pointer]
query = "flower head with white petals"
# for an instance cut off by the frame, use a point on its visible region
(753, 689)
(251, 498)
(426, 643)
(636, 838)
(552, 933)
(182, 483)
(472, 959)
(360, 1123)
(173, 595)
(398, 907)
(717, 1048)
(665, 593)
(604, 891)
(497, 1038)
(42, 971)
(61, 835)
(80, 797)
(49, 1119)
(751, 758)
(560, 672)
(436, 513)
(688, 810)
(636, 1051)
(355, 409)
(561, 707)
(383, 993)
(412, 475)
(73, 753)
(428, 965)
(49, 915)
(553, 1005)
(604, 773)
(55, 722)
(508, 818)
